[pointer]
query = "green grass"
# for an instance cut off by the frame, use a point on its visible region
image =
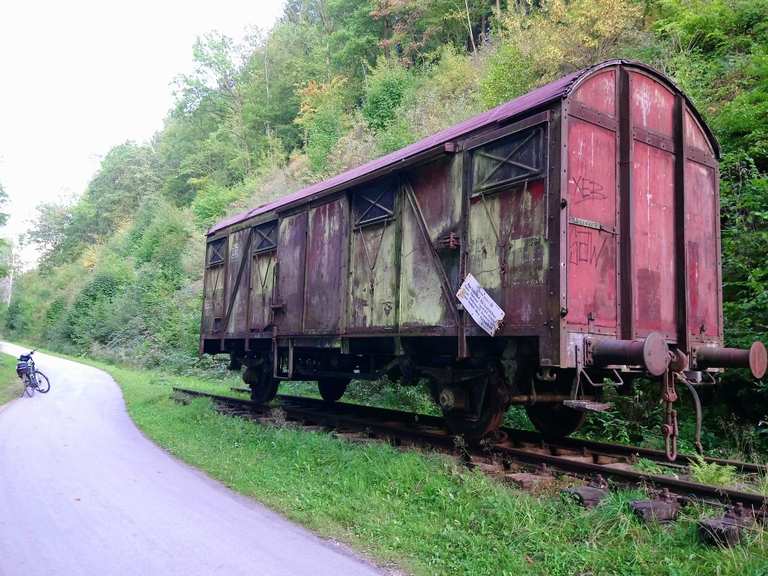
(418, 511)
(10, 385)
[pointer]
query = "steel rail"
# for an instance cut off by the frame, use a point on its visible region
(515, 434)
(426, 429)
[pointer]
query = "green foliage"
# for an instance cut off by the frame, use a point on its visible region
(211, 203)
(650, 467)
(90, 317)
(385, 89)
(321, 115)
(762, 482)
(3, 201)
(163, 241)
(508, 76)
(10, 383)
(715, 26)
(5, 246)
(633, 419)
(711, 472)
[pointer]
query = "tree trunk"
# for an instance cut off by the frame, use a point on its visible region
(469, 28)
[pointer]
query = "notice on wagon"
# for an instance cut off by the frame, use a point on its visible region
(488, 315)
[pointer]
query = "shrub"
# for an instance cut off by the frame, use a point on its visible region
(385, 89)
(212, 202)
(508, 75)
(323, 119)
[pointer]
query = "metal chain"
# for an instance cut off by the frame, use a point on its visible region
(669, 428)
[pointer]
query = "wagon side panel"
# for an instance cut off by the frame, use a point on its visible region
(508, 248)
(237, 282)
(431, 222)
(214, 285)
(326, 258)
(262, 282)
(291, 250)
(374, 254)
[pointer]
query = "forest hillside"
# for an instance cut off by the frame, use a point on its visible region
(338, 82)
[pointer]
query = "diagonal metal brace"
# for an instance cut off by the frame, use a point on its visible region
(423, 228)
(243, 260)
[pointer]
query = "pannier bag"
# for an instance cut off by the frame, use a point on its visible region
(21, 368)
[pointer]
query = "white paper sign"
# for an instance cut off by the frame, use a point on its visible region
(488, 315)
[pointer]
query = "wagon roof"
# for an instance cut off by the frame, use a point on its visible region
(537, 98)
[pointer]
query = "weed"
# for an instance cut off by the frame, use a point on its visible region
(650, 467)
(279, 417)
(711, 472)
(761, 482)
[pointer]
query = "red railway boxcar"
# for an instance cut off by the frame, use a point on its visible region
(586, 210)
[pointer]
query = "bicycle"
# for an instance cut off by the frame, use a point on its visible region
(32, 378)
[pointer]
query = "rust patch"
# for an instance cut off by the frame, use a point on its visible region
(326, 255)
(291, 248)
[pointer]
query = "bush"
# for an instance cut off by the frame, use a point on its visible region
(385, 89)
(508, 75)
(212, 202)
(323, 119)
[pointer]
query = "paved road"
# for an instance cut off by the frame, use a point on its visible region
(83, 492)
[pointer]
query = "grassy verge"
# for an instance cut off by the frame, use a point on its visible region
(419, 511)
(10, 385)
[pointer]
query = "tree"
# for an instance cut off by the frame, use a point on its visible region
(216, 85)
(128, 173)
(5, 246)
(321, 116)
(49, 231)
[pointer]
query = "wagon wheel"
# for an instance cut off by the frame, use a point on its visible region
(551, 419)
(263, 386)
(474, 425)
(332, 389)
(555, 420)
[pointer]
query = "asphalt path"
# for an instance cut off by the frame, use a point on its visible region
(83, 492)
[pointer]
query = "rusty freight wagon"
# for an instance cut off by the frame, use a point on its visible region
(587, 210)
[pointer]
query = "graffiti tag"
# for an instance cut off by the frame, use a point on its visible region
(588, 189)
(586, 247)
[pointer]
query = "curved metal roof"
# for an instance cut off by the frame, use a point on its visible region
(526, 103)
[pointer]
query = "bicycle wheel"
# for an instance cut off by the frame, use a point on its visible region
(43, 384)
(29, 387)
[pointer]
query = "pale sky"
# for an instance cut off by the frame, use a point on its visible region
(78, 77)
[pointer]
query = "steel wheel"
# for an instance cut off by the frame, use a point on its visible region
(332, 389)
(474, 425)
(43, 384)
(555, 420)
(29, 389)
(263, 386)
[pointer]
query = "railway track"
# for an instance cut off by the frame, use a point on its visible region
(583, 458)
